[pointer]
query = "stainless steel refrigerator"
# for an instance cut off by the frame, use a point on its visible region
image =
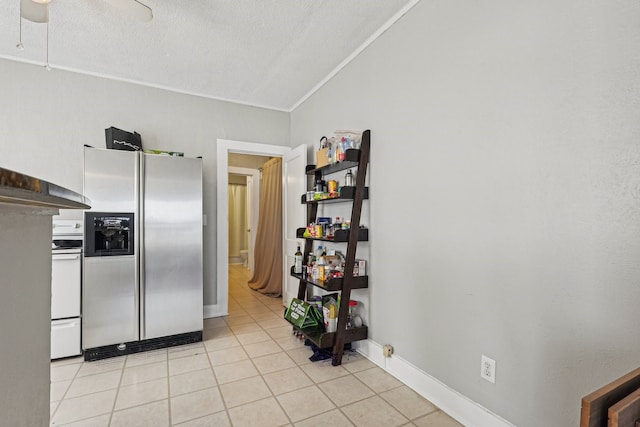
(142, 269)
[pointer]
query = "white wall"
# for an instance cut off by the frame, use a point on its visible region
(47, 117)
(505, 194)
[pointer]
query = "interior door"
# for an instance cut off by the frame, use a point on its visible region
(294, 183)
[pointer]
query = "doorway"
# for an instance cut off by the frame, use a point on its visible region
(238, 220)
(224, 149)
(249, 179)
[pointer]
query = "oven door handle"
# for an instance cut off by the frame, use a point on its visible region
(65, 325)
(60, 256)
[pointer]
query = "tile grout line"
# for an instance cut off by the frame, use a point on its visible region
(300, 367)
(297, 366)
(65, 392)
(170, 420)
(265, 327)
(262, 376)
(215, 378)
(273, 395)
(115, 400)
(317, 386)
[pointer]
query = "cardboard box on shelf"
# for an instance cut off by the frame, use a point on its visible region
(360, 267)
(322, 157)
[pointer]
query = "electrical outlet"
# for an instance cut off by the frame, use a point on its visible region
(488, 369)
(387, 350)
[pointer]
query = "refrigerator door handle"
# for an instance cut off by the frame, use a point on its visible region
(140, 283)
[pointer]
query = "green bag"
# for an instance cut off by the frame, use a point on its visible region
(303, 315)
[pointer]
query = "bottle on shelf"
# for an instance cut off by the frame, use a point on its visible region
(321, 265)
(297, 264)
(311, 260)
(348, 179)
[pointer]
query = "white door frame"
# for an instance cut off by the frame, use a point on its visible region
(224, 147)
(253, 208)
(294, 213)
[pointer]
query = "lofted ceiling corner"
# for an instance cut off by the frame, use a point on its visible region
(266, 53)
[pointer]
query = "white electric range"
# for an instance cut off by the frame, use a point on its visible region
(66, 285)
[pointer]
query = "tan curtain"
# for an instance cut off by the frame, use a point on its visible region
(267, 275)
(237, 219)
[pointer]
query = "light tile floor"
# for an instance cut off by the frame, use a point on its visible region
(249, 371)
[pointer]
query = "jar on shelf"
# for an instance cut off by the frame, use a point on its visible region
(353, 320)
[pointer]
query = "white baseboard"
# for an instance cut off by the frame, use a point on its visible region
(214, 310)
(456, 405)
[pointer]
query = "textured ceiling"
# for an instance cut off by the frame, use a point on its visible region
(270, 53)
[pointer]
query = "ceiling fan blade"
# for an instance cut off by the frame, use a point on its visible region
(134, 8)
(35, 12)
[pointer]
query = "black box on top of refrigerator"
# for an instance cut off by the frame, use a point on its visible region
(118, 139)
